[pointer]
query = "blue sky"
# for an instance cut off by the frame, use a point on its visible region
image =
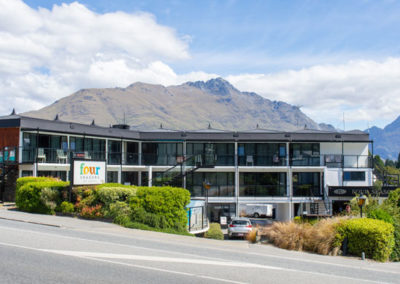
(333, 57)
(270, 35)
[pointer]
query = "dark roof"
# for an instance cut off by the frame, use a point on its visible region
(210, 134)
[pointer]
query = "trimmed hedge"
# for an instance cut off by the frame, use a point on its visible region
(161, 207)
(374, 237)
(24, 180)
(40, 196)
(214, 232)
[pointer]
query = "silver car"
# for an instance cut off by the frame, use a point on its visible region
(239, 227)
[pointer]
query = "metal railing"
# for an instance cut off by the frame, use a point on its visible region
(262, 160)
(214, 191)
(262, 190)
(307, 190)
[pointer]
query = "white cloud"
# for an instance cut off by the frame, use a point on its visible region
(364, 90)
(47, 54)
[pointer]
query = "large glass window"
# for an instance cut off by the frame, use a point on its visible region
(114, 152)
(221, 184)
(304, 154)
(262, 154)
(90, 148)
(307, 184)
(44, 148)
(161, 153)
(131, 155)
(354, 176)
(219, 154)
(262, 184)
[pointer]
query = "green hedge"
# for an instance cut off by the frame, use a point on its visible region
(374, 237)
(24, 180)
(39, 195)
(380, 214)
(214, 232)
(163, 207)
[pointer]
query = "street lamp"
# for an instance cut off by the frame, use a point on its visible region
(361, 202)
(206, 186)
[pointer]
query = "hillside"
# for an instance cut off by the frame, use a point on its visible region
(387, 140)
(188, 106)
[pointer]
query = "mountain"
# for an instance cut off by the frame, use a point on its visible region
(192, 105)
(386, 140)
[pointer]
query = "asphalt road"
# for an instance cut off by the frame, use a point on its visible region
(78, 251)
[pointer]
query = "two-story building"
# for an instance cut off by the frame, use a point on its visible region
(299, 172)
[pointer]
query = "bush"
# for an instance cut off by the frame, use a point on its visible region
(162, 207)
(40, 196)
(252, 236)
(380, 214)
(320, 238)
(374, 237)
(214, 232)
(395, 256)
(67, 207)
(24, 180)
(118, 210)
(109, 195)
(91, 212)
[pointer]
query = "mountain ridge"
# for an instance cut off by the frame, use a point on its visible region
(191, 105)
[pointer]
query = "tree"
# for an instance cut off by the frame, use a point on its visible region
(398, 162)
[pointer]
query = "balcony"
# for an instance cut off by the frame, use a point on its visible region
(214, 191)
(262, 190)
(347, 161)
(305, 160)
(307, 190)
(262, 161)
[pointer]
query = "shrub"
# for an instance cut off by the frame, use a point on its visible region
(24, 180)
(109, 195)
(380, 214)
(67, 207)
(374, 237)
(39, 196)
(91, 212)
(252, 236)
(163, 207)
(119, 209)
(214, 232)
(395, 256)
(320, 238)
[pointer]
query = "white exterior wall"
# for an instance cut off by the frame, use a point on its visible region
(330, 148)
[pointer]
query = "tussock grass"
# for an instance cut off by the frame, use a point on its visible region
(252, 236)
(319, 238)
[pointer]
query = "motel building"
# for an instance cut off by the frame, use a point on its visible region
(304, 172)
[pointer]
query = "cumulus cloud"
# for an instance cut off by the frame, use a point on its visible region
(47, 54)
(364, 90)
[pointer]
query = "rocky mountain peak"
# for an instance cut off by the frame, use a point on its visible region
(217, 86)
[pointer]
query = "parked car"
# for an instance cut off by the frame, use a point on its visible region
(239, 227)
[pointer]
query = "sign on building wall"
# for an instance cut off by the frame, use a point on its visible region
(89, 172)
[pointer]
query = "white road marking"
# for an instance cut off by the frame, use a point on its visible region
(158, 259)
(96, 257)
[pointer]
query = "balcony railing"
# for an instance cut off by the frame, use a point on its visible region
(51, 155)
(262, 190)
(307, 190)
(214, 191)
(347, 161)
(262, 160)
(305, 160)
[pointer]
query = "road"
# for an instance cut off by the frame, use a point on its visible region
(51, 249)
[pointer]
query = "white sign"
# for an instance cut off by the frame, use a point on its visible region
(223, 220)
(88, 172)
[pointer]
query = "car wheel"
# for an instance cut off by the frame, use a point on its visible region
(256, 215)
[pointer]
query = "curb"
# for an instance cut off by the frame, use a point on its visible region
(30, 222)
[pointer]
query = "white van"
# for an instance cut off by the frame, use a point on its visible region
(257, 210)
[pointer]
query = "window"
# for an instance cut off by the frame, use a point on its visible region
(354, 176)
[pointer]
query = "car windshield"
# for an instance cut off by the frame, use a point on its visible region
(240, 222)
